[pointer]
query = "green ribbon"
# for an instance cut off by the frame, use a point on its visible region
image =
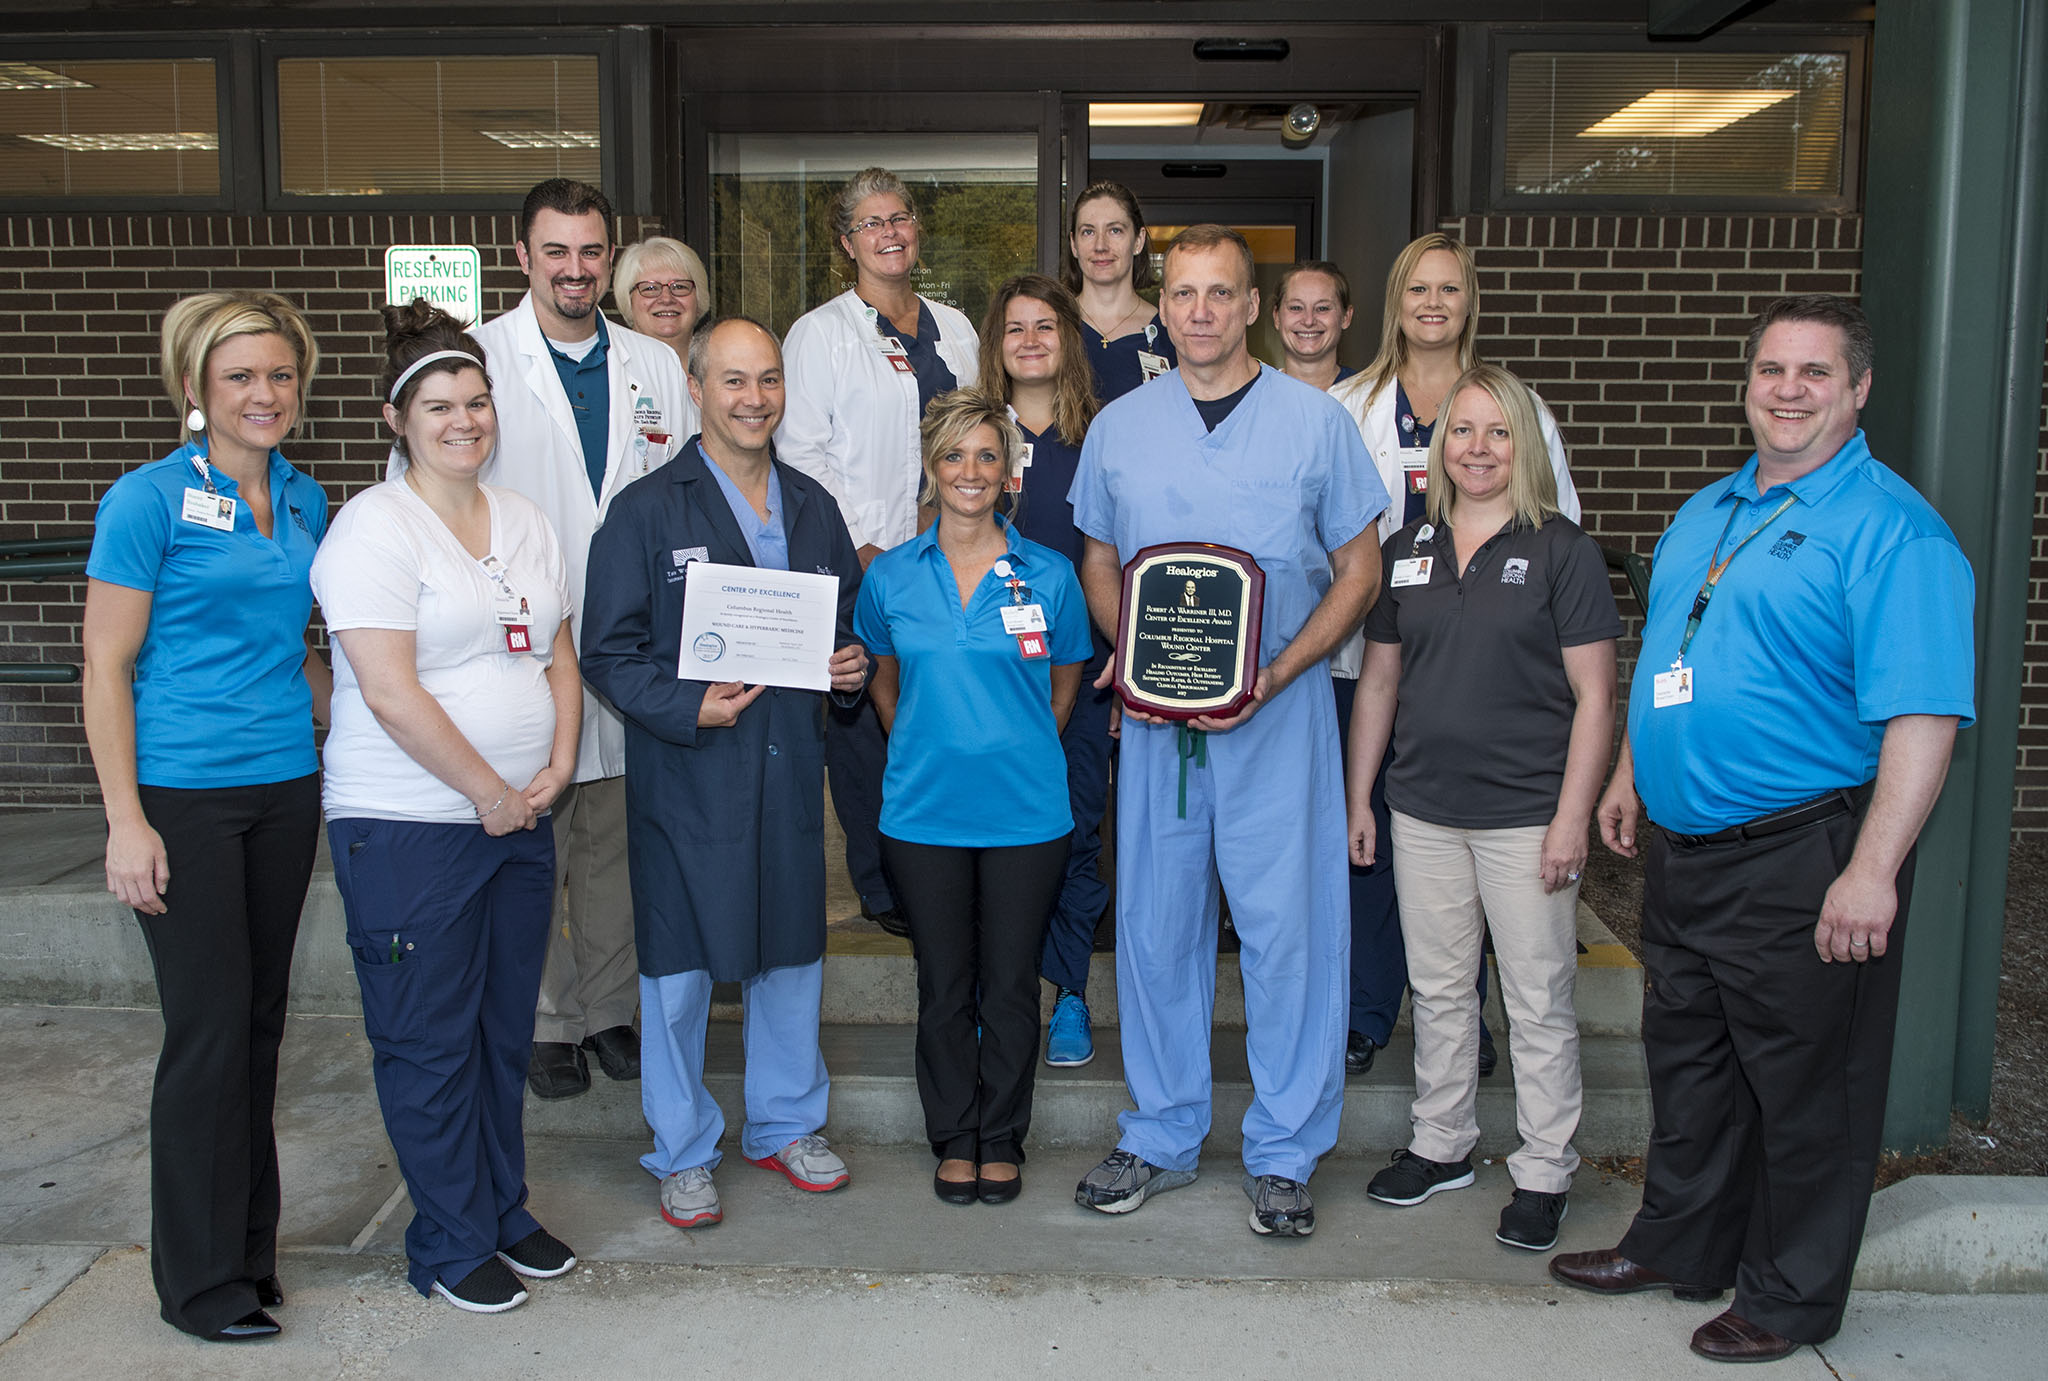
(1189, 743)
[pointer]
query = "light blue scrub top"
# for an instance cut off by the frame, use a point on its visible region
(220, 688)
(974, 756)
(767, 543)
(1285, 477)
(1851, 607)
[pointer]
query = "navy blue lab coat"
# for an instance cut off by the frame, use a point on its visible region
(725, 827)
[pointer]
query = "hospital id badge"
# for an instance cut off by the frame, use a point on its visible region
(216, 511)
(1031, 646)
(1014, 484)
(1412, 570)
(1415, 468)
(898, 357)
(517, 638)
(1151, 366)
(1673, 687)
(1023, 618)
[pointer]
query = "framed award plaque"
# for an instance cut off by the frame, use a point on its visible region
(1188, 632)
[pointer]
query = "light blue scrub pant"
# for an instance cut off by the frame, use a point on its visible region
(1267, 814)
(786, 1084)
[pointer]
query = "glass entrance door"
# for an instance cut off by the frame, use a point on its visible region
(772, 252)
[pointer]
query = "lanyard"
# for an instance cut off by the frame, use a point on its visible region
(1717, 569)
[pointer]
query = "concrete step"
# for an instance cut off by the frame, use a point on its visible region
(874, 1096)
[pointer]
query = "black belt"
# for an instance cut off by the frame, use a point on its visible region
(1842, 801)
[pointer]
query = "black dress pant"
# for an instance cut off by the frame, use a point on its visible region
(240, 858)
(1768, 1074)
(977, 922)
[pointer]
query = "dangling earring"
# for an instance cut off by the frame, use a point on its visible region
(195, 420)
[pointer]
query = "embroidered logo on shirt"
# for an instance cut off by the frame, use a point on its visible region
(1516, 571)
(1787, 543)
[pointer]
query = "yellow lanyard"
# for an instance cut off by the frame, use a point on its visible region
(1716, 569)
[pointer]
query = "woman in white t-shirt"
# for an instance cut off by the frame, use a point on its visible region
(456, 711)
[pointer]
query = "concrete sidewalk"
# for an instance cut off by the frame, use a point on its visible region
(881, 1279)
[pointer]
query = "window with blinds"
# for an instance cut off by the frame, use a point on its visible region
(435, 126)
(109, 129)
(1722, 125)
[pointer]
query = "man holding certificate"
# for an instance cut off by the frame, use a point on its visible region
(1224, 450)
(725, 780)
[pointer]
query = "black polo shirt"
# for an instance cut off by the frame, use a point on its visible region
(1485, 711)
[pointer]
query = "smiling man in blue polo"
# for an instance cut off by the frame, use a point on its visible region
(1806, 662)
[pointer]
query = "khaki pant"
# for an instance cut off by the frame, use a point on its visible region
(1454, 885)
(590, 982)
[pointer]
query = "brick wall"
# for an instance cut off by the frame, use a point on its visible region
(81, 299)
(1630, 327)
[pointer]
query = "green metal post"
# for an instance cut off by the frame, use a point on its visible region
(1954, 240)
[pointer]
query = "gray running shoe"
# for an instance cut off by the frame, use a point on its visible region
(1123, 1181)
(689, 1199)
(1280, 1207)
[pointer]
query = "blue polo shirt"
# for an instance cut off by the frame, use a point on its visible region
(220, 689)
(588, 384)
(1851, 607)
(974, 756)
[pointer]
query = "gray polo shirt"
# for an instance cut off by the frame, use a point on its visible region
(1485, 711)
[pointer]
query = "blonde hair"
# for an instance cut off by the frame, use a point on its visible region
(649, 254)
(946, 424)
(1531, 485)
(195, 325)
(1393, 352)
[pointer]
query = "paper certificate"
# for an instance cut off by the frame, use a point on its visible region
(742, 623)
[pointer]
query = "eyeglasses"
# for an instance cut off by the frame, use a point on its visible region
(901, 220)
(681, 287)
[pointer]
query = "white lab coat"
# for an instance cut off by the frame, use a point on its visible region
(540, 455)
(851, 417)
(1382, 433)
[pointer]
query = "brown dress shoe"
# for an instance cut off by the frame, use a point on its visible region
(1731, 1338)
(1608, 1272)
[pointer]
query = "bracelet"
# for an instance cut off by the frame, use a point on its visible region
(483, 814)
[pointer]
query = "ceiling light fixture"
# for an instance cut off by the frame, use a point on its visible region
(26, 76)
(1681, 113)
(543, 138)
(129, 143)
(1144, 114)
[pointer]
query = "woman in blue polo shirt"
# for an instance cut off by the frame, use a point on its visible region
(1494, 635)
(1032, 356)
(979, 636)
(200, 694)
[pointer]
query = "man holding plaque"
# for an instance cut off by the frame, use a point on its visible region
(725, 829)
(1226, 451)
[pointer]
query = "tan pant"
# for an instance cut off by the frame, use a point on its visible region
(1454, 885)
(590, 982)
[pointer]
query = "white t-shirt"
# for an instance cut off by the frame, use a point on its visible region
(389, 562)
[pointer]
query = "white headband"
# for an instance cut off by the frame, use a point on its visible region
(398, 384)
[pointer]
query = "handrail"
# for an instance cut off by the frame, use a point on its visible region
(37, 674)
(39, 558)
(1636, 568)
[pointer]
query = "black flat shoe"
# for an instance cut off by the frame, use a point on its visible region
(269, 1293)
(955, 1191)
(250, 1328)
(999, 1191)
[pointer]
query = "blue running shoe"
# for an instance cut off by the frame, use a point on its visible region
(1069, 1043)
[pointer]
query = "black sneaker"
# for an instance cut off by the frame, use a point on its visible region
(489, 1289)
(1410, 1179)
(539, 1254)
(1530, 1220)
(1358, 1053)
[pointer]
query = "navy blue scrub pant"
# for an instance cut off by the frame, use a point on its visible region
(1379, 963)
(1070, 934)
(448, 927)
(856, 752)
(240, 858)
